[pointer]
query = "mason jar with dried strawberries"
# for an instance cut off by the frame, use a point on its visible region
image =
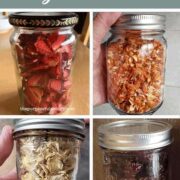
(136, 54)
(43, 46)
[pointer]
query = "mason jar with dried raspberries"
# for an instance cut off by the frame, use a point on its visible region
(43, 46)
(136, 54)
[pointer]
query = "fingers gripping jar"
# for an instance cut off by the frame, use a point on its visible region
(43, 46)
(136, 54)
(136, 150)
(48, 149)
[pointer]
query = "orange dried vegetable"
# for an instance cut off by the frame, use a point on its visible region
(135, 74)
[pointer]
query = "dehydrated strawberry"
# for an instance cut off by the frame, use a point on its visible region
(51, 60)
(45, 70)
(54, 108)
(55, 72)
(67, 84)
(54, 85)
(30, 51)
(39, 80)
(33, 96)
(56, 40)
(27, 39)
(66, 74)
(66, 52)
(37, 67)
(52, 96)
(42, 46)
(65, 98)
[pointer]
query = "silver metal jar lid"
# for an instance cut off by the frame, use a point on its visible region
(71, 125)
(133, 135)
(140, 22)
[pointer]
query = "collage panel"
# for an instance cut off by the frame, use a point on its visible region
(132, 149)
(52, 149)
(136, 63)
(49, 71)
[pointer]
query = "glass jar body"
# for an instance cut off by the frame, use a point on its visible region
(47, 155)
(136, 71)
(43, 58)
(137, 165)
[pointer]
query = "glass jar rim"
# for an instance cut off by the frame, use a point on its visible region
(75, 126)
(43, 19)
(132, 135)
(140, 22)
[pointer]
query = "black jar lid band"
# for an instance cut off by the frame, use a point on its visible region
(43, 19)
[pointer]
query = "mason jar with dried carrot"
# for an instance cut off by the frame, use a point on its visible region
(136, 54)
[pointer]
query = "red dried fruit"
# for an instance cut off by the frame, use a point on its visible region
(65, 99)
(51, 60)
(39, 80)
(38, 67)
(33, 95)
(42, 46)
(56, 40)
(54, 85)
(52, 96)
(55, 72)
(67, 84)
(30, 51)
(54, 109)
(66, 74)
(43, 70)
(56, 45)
(27, 39)
(66, 52)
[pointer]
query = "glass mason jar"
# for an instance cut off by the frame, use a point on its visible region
(136, 150)
(136, 54)
(43, 46)
(48, 149)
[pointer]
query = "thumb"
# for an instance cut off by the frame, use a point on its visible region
(6, 143)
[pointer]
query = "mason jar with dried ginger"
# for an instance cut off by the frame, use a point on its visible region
(136, 54)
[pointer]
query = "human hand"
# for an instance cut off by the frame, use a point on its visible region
(101, 25)
(6, 146)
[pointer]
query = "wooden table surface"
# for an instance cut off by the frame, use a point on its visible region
(9, 99)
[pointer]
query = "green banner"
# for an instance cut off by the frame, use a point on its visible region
(89, 4)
